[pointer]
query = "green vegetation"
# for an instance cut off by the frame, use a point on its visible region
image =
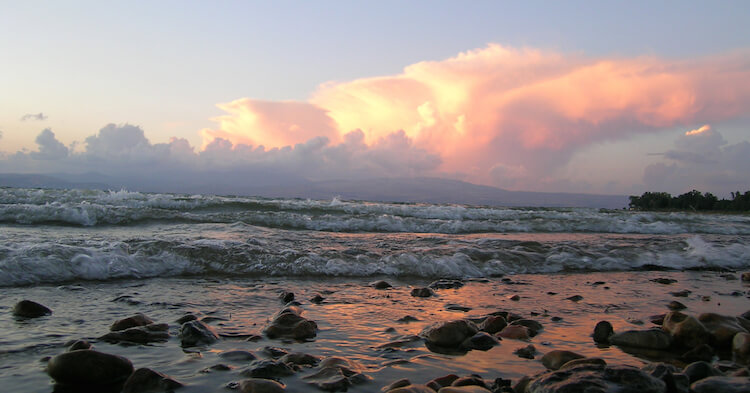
(693, 200)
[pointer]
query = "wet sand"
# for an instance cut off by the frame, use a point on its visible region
(354, 321)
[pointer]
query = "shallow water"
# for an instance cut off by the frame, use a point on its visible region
(353, 321)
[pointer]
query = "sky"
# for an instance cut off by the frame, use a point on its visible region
(596, 97)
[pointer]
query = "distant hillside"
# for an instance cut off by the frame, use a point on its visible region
(427, 190)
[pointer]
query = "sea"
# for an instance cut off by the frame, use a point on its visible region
(96, 256)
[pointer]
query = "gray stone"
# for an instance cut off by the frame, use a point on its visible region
(130, 322)
(422, 292)
(481, 340)
(260, 385)
(89, 367)
(722, 385)
(602, 331)
(595, 379)
(449, 334)
(267, 369)
(288, 323)
(147, 380)
(194, 333)
(652, 339)
(555, 359)
(29, 309)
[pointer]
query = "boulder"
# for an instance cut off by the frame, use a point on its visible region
(89, 367)
(449, 334)
(146, 380)
(702, 352)
(722, 328)
(673, 379)
(267, 369)
(721, 384)
(422, 292)
(288, 323)
(139, 334)
(30, 309)
(493, 324)
(514, 332)
(336, 374)
(533, 326)
(381, 285)
(194, 333)
(130, 322)
(652, 339)
(481, 340)
(595, 379)
(602, 331)
(553, 360)
(741, 348)
(260, 385)
(698, 370)
(686, 330)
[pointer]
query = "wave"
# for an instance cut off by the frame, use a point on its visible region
(250, 252)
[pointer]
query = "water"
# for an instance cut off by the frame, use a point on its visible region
(96, 256)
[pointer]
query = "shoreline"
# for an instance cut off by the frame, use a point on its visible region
(354, 322)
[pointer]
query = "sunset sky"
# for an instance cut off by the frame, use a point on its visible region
(598, 97)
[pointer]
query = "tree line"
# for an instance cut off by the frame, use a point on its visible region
(693, 200)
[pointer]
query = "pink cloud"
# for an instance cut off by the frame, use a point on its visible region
(500, 111)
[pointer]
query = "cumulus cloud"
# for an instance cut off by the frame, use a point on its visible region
(502, 115)
(702, 159)
(49, 147)
(34, 116)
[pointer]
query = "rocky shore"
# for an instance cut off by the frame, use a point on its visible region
(676, 351)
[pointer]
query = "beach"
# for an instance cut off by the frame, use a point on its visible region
(97, 257)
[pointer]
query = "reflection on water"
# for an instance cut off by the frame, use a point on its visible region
(354, 319)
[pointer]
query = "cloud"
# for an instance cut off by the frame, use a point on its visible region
(34, 116)
(502, 115)
(704, 161)
(49, 147)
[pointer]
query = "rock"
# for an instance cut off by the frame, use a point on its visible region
(89, 367)
(422, 292)
(238, 356)
(602, 331)
(457, 307)
(533, 326)
(407, 319)
(381, 285)
(286, 296)
(78, 344)
(463, 389)
(274, 352)
(289, 323)
(683, 293)
(583, 361)
(665, 281)
(260, 385)
(194, 333)
(501, 385)
(300, 359)
(741, 348)
(652, 338)
(722, 328)
(482, 341)
(698, 370)
(595, 379)
(449, 334)
(336, 373)
(526, 352)
(439, 382)
(574, 298)
(514, 332)
(470, 380)
(674, 305)
(29, 309)
(657, 319)
(514, 298)
(493, 324)
(722, 384)
(139, 334)
(446, 284)
(186, 318)
(129, 322)
(702, 352)
(745, 276)
(267, 369)
(317, 299)
(147, 380)
(412, 389)
(674, 381)
(554, 359)
(396, 384)
(686, 330)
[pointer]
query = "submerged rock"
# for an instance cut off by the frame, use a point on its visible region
(130, 322)
(139, 334)
(337, 374)
(422, 292)
(89, 367)
(514, 332)
(238, 355)
(300, 359)
(290, 324)
(194, 333)
(267, 369)
(446, 284)
(412, 389)
(721, 384)
(555, 359)
(534, 327)
(260, 385)
(652, 339)
(526, 352)
(449, 334)
(595, 379)
(30, 309)
(481, 340)
(147, 380)
(381, 284)
(78, 344)
(493, 324)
